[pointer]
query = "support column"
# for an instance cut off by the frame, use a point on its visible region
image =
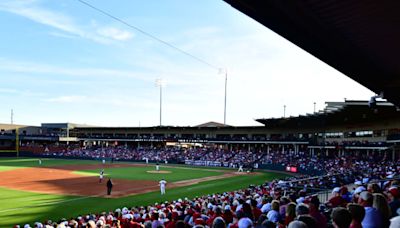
(393, 154)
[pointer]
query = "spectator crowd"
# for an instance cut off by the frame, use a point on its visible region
(364, 192)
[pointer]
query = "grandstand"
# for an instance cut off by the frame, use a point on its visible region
(340, 127)
(340, 165)
(347, 147)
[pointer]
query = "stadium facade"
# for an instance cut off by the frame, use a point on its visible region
(340, 127)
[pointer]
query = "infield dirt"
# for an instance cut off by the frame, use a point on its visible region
(61, 180)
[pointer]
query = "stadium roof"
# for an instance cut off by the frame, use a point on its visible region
(337, 114)
(212, 124)
(360, 38)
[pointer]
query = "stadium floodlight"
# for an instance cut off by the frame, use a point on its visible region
(224, 71)
(160, 83)
(284, 111)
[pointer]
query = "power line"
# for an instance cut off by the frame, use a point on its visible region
(148, 34)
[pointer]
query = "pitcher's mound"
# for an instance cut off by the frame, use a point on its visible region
(161, 171)
(241, 173)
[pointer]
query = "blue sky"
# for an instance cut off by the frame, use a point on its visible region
(62, 61)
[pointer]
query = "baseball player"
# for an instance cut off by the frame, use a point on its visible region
(157, 167)
(101, 175)
(40, 161)
(163, 183)
(240, 167)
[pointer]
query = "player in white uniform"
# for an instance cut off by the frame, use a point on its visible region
(157, 167)
(240, 168)
(40, 161)
(163, 183)
(101, 175)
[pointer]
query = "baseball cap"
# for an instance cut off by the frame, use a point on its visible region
(336, 190)
(365, 195)
(359, 190)
(394, 192)
(245, 223)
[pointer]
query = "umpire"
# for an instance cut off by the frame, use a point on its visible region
(109, 186)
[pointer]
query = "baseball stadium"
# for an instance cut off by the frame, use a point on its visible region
(334, 167)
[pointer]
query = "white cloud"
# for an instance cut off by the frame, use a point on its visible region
(8, 91)
(115, 33)
(66, 99)
(60, 21)
(39, 68)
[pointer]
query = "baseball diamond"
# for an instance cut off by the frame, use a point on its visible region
(57, 186)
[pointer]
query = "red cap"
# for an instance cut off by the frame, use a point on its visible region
(394, 192)
(199, 221)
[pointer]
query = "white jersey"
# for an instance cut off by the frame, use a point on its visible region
(163, 183)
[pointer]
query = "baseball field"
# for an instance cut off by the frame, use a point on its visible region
(60, 188)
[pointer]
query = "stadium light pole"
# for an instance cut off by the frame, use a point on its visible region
(284, 111)
(12, 116)
(224, 71)
(159, 83)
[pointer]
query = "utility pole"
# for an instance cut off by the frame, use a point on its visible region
(224, 71)
(12, 116)
(284, 111)
(159, 83)
(226, 82)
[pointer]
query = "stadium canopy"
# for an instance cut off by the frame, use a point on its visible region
(338, 114)
(359, 38)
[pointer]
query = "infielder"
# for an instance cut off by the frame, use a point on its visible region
(101, 175)
(157, 167)
(240, 167)
(163, 183)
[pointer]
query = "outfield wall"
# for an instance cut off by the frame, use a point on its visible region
(273, 167)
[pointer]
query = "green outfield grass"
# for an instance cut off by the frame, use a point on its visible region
(140, 173)
(19, 207)
(16, 163)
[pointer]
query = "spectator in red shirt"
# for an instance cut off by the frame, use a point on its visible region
(256, 211)
(315, 213)
(228, 215)
(336, 200)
